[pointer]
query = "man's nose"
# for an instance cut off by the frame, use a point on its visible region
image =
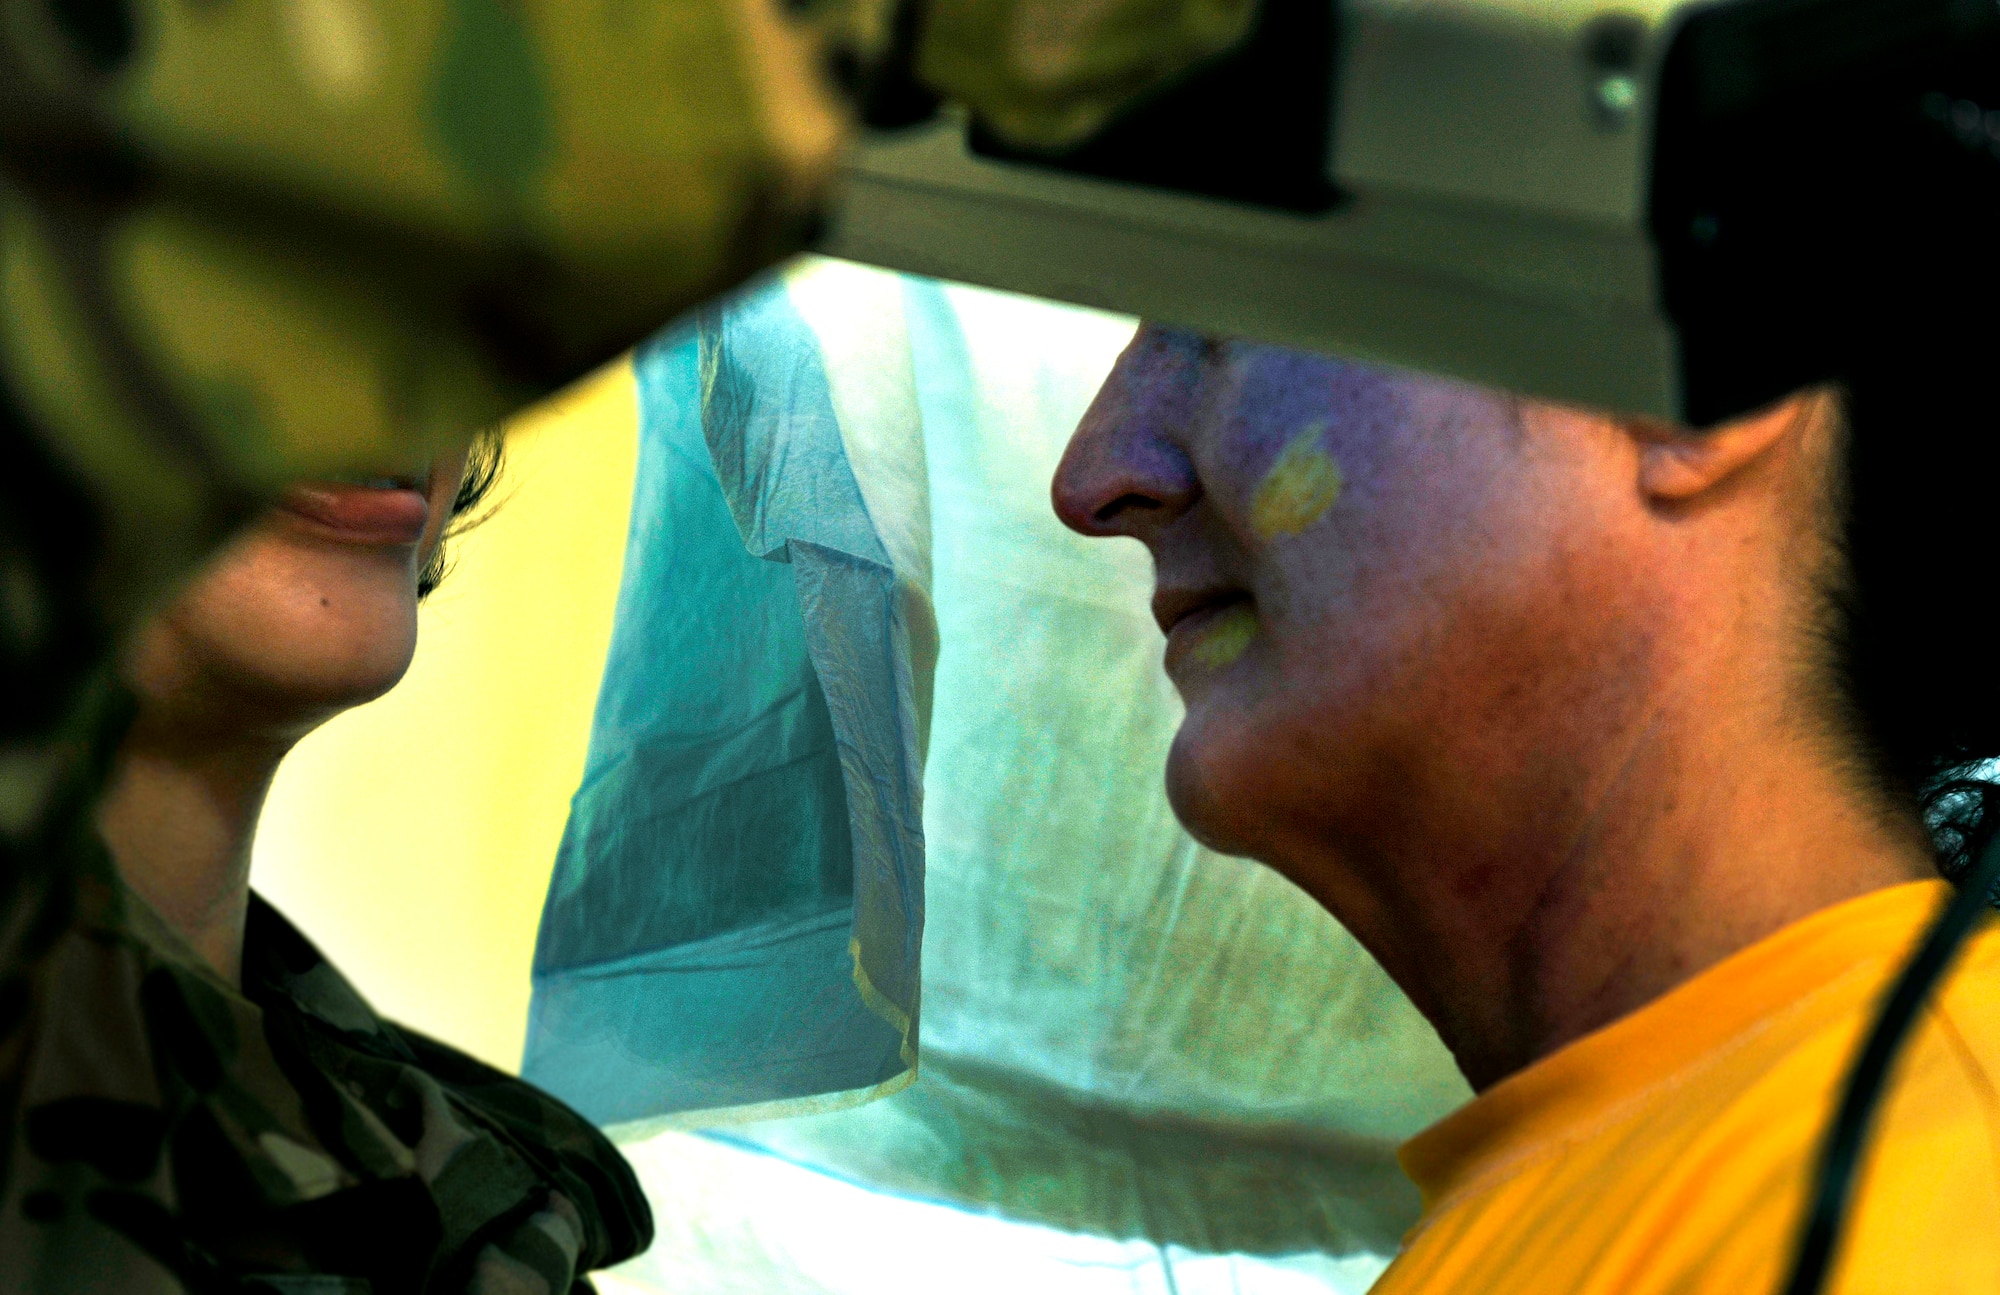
(1127, 470)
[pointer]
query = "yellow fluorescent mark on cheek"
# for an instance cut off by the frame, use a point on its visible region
(1225, 638)
(1299, 488)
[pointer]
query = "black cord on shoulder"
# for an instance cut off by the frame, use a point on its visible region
(1840, 1154)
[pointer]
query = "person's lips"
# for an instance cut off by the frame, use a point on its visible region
(381, 510)
(1173, 605)
(1186, 615)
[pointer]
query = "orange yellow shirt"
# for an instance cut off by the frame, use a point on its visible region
(1671, 1150)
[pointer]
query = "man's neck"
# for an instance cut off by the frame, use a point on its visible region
(1696, 843)
(1691, 884)
(178, 818)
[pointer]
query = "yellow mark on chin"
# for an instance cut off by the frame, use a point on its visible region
(1225, 638)
(1298, 489)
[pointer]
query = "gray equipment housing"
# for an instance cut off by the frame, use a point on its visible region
(1666, 208)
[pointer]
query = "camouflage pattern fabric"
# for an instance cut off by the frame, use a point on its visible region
(1044, 74)
(246, 242)
(178, 1134)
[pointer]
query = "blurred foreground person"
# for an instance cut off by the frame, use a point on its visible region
(1633, 754)
(243, 246)
(282, 1133)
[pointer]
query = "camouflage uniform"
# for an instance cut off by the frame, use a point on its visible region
(281, 1137)
(245, 242)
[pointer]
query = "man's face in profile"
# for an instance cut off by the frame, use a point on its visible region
(1374, 584)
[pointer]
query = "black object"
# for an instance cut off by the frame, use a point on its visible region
(101, 31)
(1824, 177)
(1840, 1154)
(890, 95)
(1252, 125)
(51, 541)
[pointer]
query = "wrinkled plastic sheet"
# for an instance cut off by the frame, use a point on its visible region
(735, 916)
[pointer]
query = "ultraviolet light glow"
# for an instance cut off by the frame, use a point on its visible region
(1225, 638)
(1302, 484)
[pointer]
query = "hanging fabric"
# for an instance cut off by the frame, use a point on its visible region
(736, 913)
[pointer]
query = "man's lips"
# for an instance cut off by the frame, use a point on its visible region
(387, 511)
(1193, 620)
(1172, 606)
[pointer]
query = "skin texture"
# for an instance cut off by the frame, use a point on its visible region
(290, 624)
(1532, 699)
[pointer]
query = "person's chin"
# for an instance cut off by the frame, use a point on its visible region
(303, 689)
(316, 653)
(1211, 777)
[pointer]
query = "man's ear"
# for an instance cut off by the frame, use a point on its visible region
(1678, 464)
